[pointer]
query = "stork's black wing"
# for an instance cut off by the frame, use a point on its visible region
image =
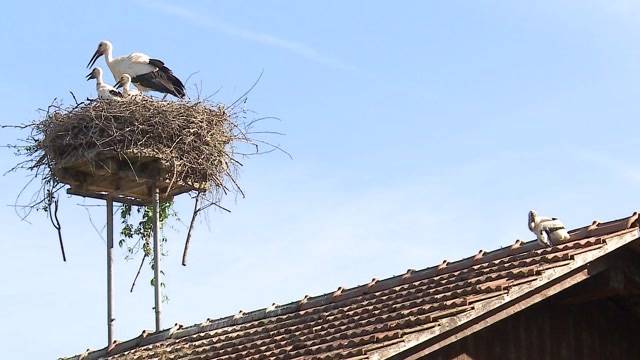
(175, 82)
(116, 93)
(160, 81)
(157, 63)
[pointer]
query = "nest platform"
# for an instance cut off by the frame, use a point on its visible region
(128, 180)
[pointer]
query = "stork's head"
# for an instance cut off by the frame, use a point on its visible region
(103, 48)
(124, 80)
(96, 73)
(532, 219)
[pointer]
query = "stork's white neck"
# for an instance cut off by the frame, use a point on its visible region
(108, 56)
(99, 81)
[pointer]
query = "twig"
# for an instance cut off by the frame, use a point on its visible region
(216, 205)
(243, 96)
(196, 210)
(56, 224)
(273, 146)
(186, 81)
(91, 221)
(74, 97)
(26, 126)
(138, 273)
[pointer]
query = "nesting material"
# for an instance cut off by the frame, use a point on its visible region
(124, 147)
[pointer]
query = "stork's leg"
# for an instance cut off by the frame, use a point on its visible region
(543, 237)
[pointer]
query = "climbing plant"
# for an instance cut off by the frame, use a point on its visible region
(136, 234)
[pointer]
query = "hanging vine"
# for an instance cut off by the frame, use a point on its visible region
(136, 234)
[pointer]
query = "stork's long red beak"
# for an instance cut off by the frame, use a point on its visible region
(90, 76)
(94, 58)
(118, 85)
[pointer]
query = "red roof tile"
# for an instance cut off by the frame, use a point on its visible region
(383, 314)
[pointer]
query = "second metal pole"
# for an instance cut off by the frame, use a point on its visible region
(109, 272)
(156, 253)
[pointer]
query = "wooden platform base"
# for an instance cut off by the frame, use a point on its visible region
(125, 179)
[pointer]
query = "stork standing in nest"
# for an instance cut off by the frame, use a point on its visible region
(105, 91)
(147, 74)
(549, 231)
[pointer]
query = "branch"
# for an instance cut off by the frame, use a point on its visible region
(56, 224)
(91, 220)
(138, 273)
(26, 126)
(74, 97)
(193, 220)
(244, 96)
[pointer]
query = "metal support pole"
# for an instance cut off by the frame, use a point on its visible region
(109, 272)
(156, 252)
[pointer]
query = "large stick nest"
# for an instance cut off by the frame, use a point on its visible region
(100, 147)
(189, 143)
(191, 139)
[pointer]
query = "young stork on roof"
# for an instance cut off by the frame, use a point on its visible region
(105, 92)
(549, 231)
(146, 74)
(124, 82)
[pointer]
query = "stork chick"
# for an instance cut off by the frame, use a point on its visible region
(105, 92)
(124, 82)
(549, 231)
(147, 74)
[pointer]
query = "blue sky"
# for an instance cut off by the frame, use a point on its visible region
(420, 131)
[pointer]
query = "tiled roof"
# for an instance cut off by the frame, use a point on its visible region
(382, 317)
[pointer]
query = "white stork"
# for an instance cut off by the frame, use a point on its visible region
(105, 92)
(124, 82)
(549, 231)
(146, 74)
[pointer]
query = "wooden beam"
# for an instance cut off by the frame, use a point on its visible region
(123, 184)
(102, 196)
(127, 180)
(605, 285)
